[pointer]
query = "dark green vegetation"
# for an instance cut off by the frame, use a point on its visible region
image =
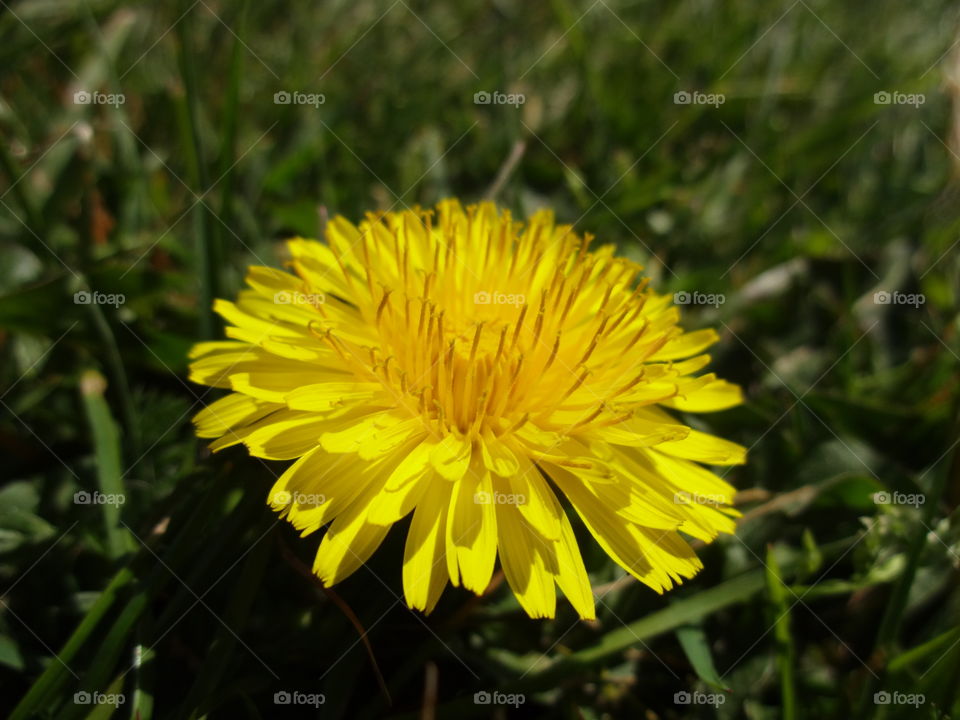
(798, 198)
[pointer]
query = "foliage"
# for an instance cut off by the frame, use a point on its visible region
(797, 199)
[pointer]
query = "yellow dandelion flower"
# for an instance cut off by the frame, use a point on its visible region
(472, 370)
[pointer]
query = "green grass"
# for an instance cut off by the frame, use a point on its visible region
(798, 198)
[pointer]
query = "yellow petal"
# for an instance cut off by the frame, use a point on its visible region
(254, 371)
(523, 564)
(286, 436)
(471, 534)
(572, 577)
(218, 417)
(321, 397)
(390, 437)
(687, 344)
(270, 282)
(282, 434)
(498, 457)
(343, 237)
(451, 457)
(718, 395)
(361, 433)
(214, 347)
(320, 486)
(656, 495)
(535, 500)
(404, 487)
(424, 573)
(257, 326)
(347, 545)
(689, 476)
(705, 448)
(413, 466)
(627, 543)
(213, 366)
(638, 432)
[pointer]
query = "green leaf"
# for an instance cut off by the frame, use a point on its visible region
(682, 612)
(10, 653)
(19, 523)
(696, 647)
(914, 655)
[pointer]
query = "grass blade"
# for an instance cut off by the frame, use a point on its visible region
(106, 442)
(786, 651)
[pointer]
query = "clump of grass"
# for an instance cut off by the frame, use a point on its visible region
(820, 211)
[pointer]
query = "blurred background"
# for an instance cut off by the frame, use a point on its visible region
(788, 169)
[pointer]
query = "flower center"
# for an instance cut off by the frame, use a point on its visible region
(482, 324)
